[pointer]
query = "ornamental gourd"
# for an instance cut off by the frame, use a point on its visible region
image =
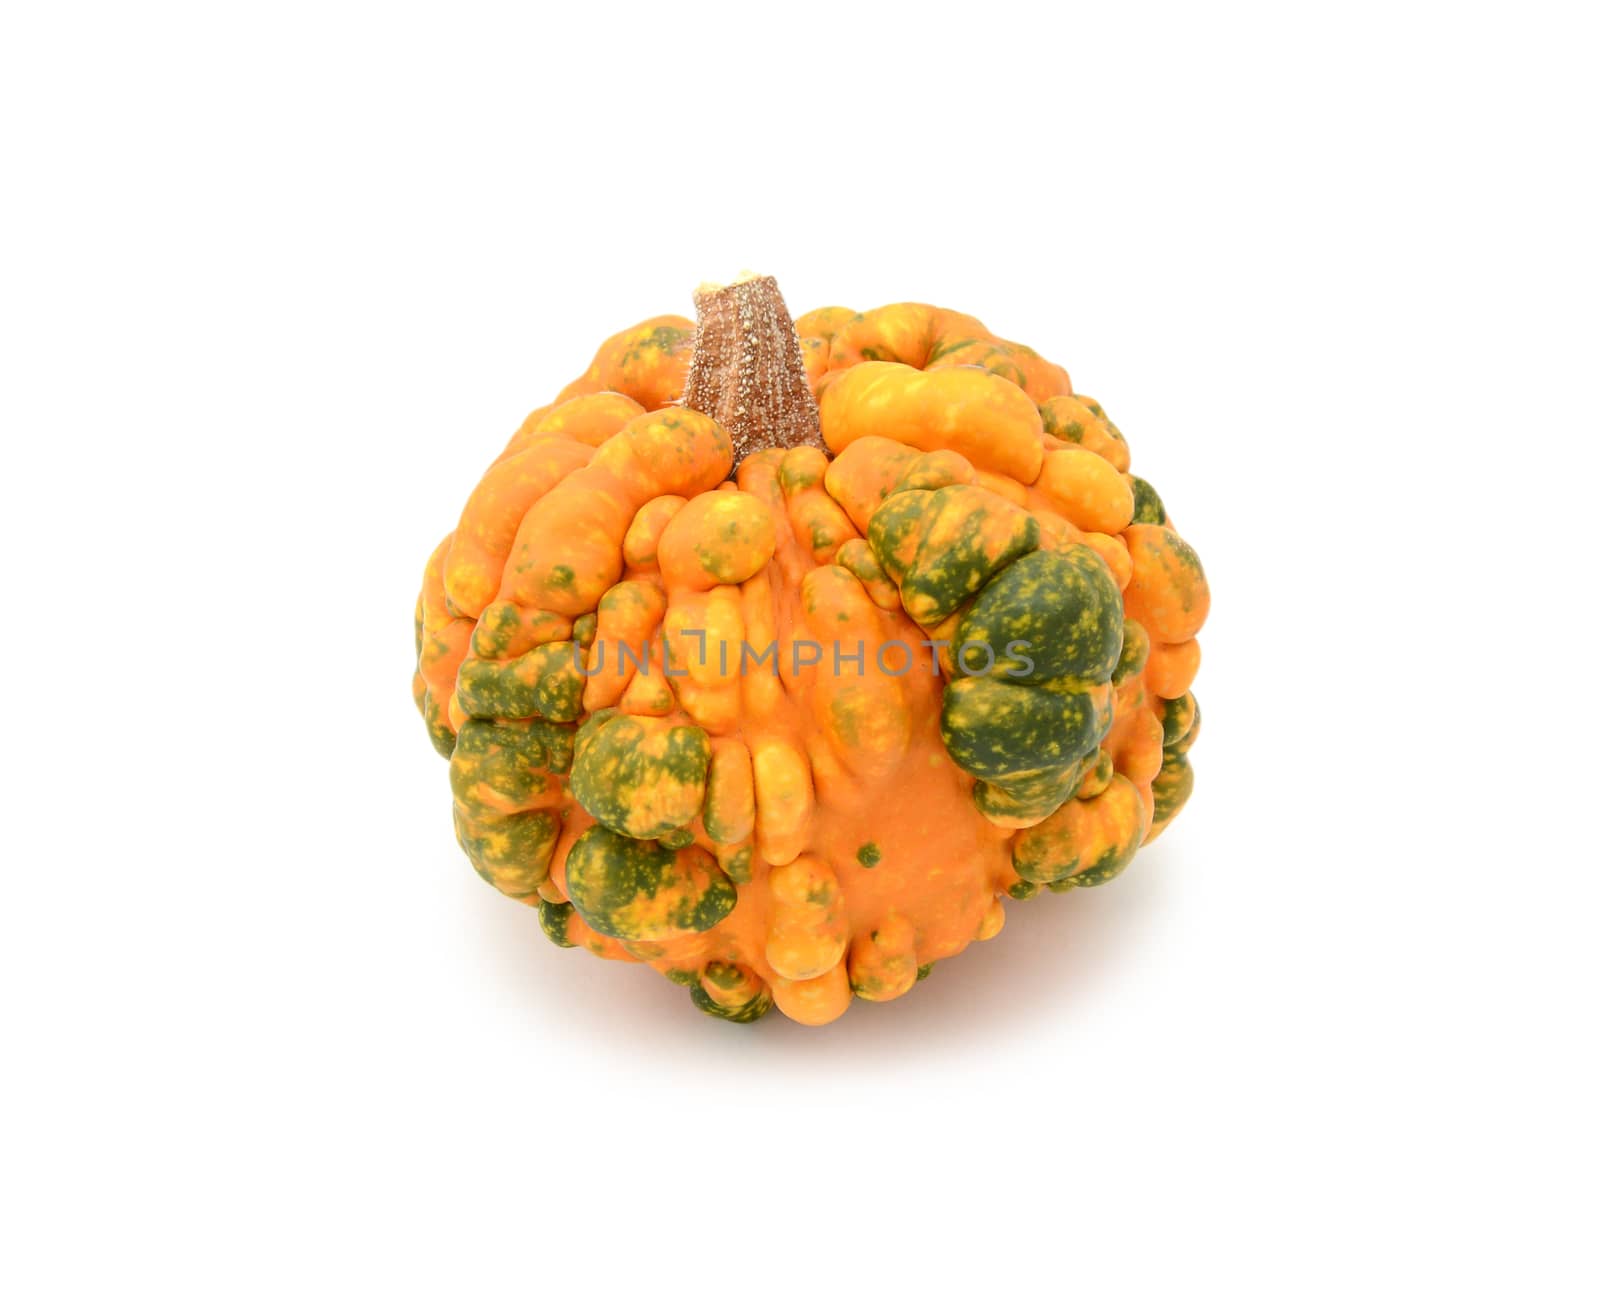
(777, 655)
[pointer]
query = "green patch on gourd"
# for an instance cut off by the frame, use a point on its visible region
(1135, 651)
(554, 918)
(1024, 799)
(498, 625)
(728, 992)
(934, 471)
(736, 862)
(729, 814)
(508, 766)
(511, 850)
(665, 339)
(945, 348)
(1086, 842)
(639, 776)
(543, 682)
(440, 735)
(1051, 615)
(942, 546)
(869, 855)
(1172, 786)
(637, 890)
(754, 1009)
(800, 473)
(1147, 506)
(856, 556)
(997, 728)
(1177, 718)
(1097, 774)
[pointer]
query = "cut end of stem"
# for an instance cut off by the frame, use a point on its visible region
(747, 371)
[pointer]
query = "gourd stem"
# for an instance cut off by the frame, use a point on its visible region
(747, 371)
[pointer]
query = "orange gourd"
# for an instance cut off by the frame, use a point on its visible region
(777, 655)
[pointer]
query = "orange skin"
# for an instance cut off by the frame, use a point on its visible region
(489, 524)
(1172, 668)
(445, 637)
(864, 855)
(1168, 593)
(647, 363)
(978, 415)
(1069, 422)
(589, 419)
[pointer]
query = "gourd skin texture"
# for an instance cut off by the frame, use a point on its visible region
(790, 729)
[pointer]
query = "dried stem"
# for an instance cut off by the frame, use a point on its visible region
(747, 371)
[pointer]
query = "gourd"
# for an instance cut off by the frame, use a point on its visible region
(777, 656)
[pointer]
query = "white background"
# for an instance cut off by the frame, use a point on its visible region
(279, 282)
